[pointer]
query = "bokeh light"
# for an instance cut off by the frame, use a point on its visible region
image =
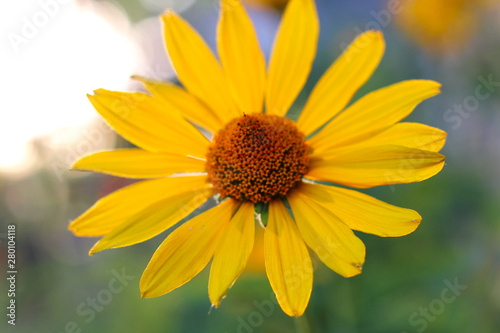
(53, 56)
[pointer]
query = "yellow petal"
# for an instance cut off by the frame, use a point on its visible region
(410, 135)
(374, 113)
(288, 264)
(256, 261)
(119, 206)
(334, 243)
(232, 252)
(241, 57)
(292, 56)
(183, 196)
(374, 166)
(178, 99)
(138, 163)
(341, 81)
(197, 68)
(142, 120)
(186, 251)
(362, 212)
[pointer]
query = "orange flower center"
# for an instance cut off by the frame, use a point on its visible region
(257, 158)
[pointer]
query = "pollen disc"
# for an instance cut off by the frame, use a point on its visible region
(257, 158)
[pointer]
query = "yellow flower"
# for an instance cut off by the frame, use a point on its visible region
(441, 26)
(259, 157)
(278, 4)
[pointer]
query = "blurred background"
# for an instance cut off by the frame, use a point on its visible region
(444, 277)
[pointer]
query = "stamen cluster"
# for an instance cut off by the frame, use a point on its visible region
(257, 158)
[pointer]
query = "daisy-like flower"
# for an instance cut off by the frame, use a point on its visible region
(259, 157)
(278, 4)
(441, 26)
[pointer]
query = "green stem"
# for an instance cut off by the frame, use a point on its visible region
(302, 324)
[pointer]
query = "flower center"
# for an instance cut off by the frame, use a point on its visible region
(257, 158)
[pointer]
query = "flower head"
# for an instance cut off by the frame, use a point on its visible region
(258, 156)
(441, 26)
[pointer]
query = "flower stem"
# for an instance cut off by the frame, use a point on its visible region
(302, 324)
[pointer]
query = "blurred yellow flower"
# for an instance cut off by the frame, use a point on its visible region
(258, 156)
(440, 26)
(279, 4)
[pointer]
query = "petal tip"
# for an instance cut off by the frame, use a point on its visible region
(76, 166)
(359, 270)
(296, 313)
(72, 228)
(137, 77)
(96, 248)
(100, 91)
(144, 294)
(75, 230)
(375, 32)
(437, 86)
(431, 84)
(418, 217)
(168, 14)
